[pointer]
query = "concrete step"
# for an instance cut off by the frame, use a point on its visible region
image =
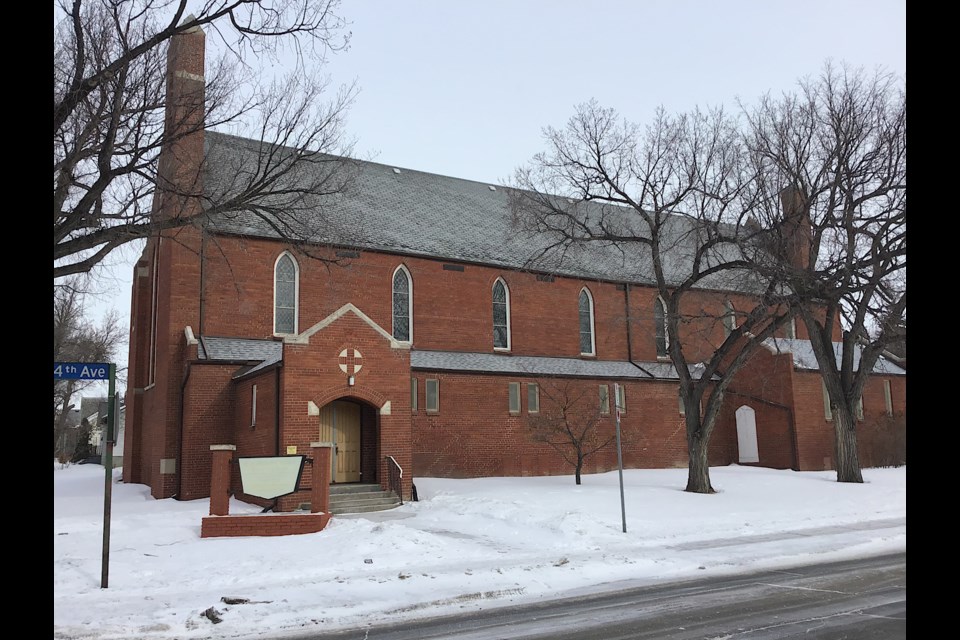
(353, 487)
(359, 498)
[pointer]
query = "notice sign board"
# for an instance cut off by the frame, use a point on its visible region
(271, 477)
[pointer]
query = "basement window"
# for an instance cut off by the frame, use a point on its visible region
(533, 398)
(514, 397)
(604, 400)
(433, 395)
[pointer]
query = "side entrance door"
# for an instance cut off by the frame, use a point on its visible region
(340, 424)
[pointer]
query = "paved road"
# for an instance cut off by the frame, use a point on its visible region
(853, 600)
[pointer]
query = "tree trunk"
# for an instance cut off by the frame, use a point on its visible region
(579, 467)
(60, 423)
(698, 475)
(845, 435)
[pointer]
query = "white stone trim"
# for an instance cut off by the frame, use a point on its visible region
(304, 338)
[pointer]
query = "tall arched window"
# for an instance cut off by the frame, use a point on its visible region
(588, 345)
(501, 315)
(660, 326)
(402, 304)
(285, 292)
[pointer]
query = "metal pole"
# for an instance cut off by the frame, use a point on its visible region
(623, 509)
(107, 461)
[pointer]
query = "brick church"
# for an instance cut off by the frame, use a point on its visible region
(417, 335)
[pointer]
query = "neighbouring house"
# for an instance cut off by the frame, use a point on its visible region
(425, 346)
(98, 430)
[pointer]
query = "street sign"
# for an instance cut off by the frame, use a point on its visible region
(81, 371)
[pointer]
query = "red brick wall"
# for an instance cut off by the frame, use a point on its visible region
(311, 373)
(765, 384)
(452, 310)
(258, 440)
(881, 438)
(208, 419)
(815, 437)
(475, 435)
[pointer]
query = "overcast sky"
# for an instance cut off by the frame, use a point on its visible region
(464, 89)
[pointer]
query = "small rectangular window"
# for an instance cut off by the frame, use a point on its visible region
(413, 394)
(888, 397)
(533, 398)
(253, 407)
(859, 408)
(729, 318)
(621, 398)
(683, 409)
(792, 329)
(604, 399)
(514, 399)
(827, 413)
(433, 395)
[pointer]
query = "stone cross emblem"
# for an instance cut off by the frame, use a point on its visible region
(351, 361)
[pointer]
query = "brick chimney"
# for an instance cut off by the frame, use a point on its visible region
(796, 226)
(182, 153)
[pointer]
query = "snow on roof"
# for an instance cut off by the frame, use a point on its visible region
(804, 357)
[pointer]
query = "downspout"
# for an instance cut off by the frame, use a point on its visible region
(203, 284)
(276, 409)
(626, 307)
(183, 386)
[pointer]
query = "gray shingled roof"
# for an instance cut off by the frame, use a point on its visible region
(424, 214)
(804, 357)
(539, 365)
(260, 353)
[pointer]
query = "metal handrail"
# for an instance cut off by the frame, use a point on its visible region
(396, 477)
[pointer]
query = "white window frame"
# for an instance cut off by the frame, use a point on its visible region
(513, 398)
(393, 293)
(435, 383)
(620, 401)
(506, 291)
(666, 333)
(729, 318)
(296, 295)
(604, 400)
(533, 397)
(827, 411)
(593, 333)
(792, 329)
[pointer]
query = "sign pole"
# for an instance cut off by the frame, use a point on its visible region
(108, 477)
(623, 509)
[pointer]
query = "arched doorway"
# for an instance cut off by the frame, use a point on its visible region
(747, 435)
(352, 428)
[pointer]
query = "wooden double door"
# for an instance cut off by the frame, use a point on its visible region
(340, 424)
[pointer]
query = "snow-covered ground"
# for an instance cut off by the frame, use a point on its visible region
(466, 544)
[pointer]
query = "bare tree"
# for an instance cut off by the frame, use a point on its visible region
(839, 143)
(569, 420)
(77, 340)
(111, 116)
(674, 200)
